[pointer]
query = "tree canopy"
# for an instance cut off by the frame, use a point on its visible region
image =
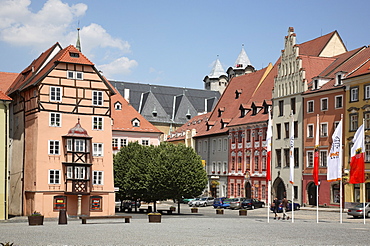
(154, 173)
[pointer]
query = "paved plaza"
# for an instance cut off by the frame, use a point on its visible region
(203, 228)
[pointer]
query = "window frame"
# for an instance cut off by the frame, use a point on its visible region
(310, 106)
(53, 147)
(310, 130)
(98, 149)
(97, 98)
(309, 158)
(55, 119)
(354, 94)
(58, 94)
(97, 123)
(98, 177)
(353, 124)
(323, 158)
(341, 101)
(324, 104)
(366, 91)
(281, 107)
(324, 134)
(54, 176)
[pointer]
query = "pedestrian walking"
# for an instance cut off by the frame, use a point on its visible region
(275, 207)
(284, 204)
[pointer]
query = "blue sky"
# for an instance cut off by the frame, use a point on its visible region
(170, 42)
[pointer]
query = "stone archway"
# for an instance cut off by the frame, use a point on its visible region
(279, 190)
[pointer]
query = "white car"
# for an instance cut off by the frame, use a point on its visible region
(201, 202)
(193, 202)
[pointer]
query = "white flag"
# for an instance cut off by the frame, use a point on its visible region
(335, 156)
(291, 161)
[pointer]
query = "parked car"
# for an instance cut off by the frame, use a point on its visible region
(204, 201)
(226, 203)
(252, 203)
(297, 206)
(357, 211)
(186, 200)
(236, 203)
(193, 202)
(127, 204)
(218, 202)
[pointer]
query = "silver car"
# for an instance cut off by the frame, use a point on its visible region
(357, 211)
(236, 202)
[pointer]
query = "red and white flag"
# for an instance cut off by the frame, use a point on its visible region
(334, 171)
(269, 140)
(316, 154)
(357, 172)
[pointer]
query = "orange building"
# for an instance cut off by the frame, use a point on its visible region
(61, 128)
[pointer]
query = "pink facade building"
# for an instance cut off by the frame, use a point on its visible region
(62, 131)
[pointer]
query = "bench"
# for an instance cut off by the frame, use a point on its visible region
(127, 218)
(168, 211)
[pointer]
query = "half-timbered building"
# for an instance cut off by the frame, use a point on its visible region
(62, 131)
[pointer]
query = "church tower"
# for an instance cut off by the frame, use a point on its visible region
(242, 65)
(216, 80)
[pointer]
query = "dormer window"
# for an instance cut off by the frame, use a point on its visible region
(73, 54)
(118, 106)
(220, 111)
(135, 122)
(237, 93)
(315, 84)
(339, 78)
(188, 116)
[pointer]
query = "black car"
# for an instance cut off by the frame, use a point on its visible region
(252, 203)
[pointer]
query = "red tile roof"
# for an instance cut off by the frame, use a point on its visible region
(41, 66)
(6, 79)
(122, 119)
(197, 122)
(4, 97)
(249, 84)
(315, 46)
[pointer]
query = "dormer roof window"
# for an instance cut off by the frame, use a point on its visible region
(210, 124)
(243, 110)
(237, 93)
(73, 54)
(339, 78)
(117, 106)
(220, 111)
(135, 122)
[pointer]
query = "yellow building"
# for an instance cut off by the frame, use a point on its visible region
(357, 113)
(4, 165)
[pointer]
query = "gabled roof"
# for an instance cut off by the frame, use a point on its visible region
(47, 61)
(168, 98)
(315, 46)
(349, 64)
(197, 122)
(6, 79)
(249, 84)
(4, 97)
(122, 118)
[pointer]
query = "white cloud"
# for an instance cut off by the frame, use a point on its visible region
(20, 27)
(120, 66)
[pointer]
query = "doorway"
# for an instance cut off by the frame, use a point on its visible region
(311, 192)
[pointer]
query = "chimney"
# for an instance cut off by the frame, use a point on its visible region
(126, 93)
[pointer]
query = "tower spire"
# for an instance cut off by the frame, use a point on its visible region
(78, 43)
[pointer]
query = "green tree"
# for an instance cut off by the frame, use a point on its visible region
(157, 173)
(185, 175)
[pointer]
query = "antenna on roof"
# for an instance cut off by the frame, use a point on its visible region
(78, 43)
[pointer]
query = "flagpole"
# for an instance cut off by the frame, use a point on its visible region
(341, 202)
(363, 184)
(317, 203)
(363, 193)
(268, 201)
(341, 179)
(292, 203)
